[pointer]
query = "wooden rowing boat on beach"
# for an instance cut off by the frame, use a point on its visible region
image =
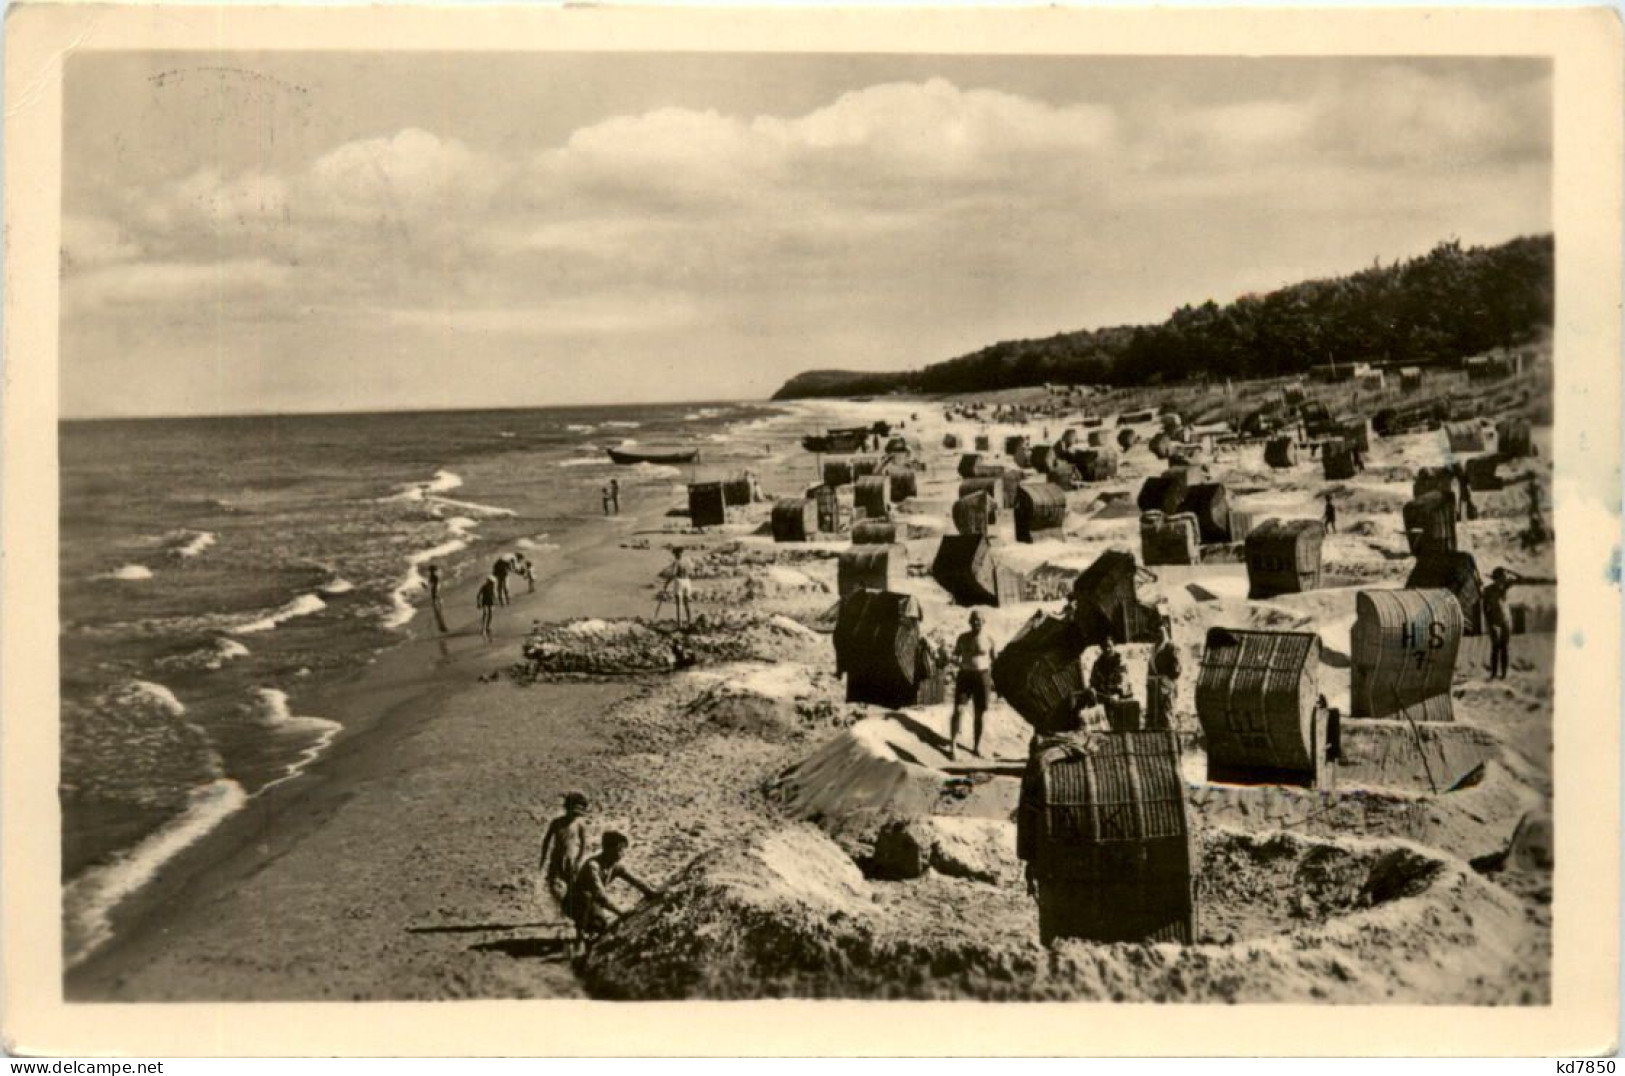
(627, 458)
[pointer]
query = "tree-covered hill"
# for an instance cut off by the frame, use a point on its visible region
(1448, 303)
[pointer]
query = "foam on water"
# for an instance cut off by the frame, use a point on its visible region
(91, 897)
(137, 692)
(304, 605)
(226, 650)
(443, 482)
(337, 586)
(623, 425)
(654, 470)
(584, 461)
(577, 427)
(401, 609)
(130, 573)
(199, 541)
(471, 507)
(275, 714)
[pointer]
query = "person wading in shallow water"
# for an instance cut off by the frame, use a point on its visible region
(434, 597)
(486, 602)
(590, 906)
(974, 652)
(564, 847)
(499, 572)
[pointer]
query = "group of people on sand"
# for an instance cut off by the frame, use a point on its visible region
(580, 883)
(975, 651)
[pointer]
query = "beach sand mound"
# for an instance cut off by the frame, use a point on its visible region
(1364, 921)
(622, 647)
(1287, 918)
(788, 914)
(776, 701)
(881, 769)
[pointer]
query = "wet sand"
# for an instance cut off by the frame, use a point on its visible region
(410, 844)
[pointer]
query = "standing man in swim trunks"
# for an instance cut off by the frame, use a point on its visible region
(681, 587)
(1498, 620)
(974, 652)
(486, 601)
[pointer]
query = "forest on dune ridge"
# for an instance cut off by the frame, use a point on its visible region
(1439, 307)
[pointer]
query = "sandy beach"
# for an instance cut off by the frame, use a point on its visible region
(402, 864)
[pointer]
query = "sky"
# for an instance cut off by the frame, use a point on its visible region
(251, 232)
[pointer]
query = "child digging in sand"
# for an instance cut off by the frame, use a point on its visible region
(590, 904)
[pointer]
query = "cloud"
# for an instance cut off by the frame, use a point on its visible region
(89, 241)
(893, 224)
(219, 285)
(564, 317)
(413, 176)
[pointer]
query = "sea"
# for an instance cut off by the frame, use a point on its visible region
(216, 572)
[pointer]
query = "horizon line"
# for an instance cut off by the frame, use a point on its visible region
(405, 410)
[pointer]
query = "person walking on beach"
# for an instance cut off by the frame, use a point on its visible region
(679, 588)
(1498, 620)
(615, 496)
(606, 495)
(564, 847)
(974, 652)
(433, 576)
(1161, 681)
(1329, 517)
(499, 572)
(590, 906)
(486, 601)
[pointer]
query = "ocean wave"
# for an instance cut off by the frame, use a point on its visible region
(228, 649)
(91, 897)
(401, 610)
(472, 507)
(130, 573)
(540, 541)
(303, 605)
(275, 714)
(584, 461)
(644, 469)
(580, 427)
(145, 692)
(505, 433)
(623, 425)
(210, 657)
(199, 541)
(442, 482)
(337, 586)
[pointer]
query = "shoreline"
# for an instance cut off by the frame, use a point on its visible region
(406, 687)
(402, 864)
